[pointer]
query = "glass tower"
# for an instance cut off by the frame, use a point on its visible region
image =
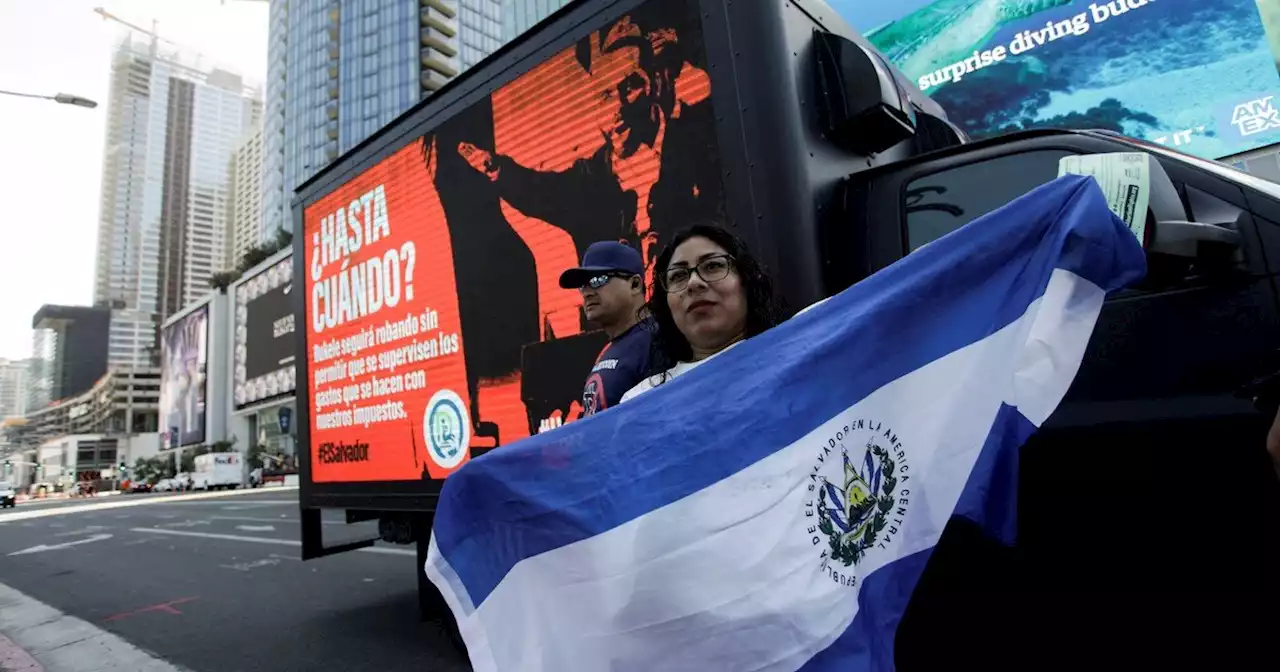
(521, 15)
(338, 70)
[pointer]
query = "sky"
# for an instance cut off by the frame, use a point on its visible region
(51, 154)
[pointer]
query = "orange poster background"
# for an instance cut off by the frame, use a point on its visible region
(396, 449)
(568, 153)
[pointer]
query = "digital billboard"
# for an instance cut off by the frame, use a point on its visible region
(184, 352)
(264, 339)
(432, 298)
(1199, 76)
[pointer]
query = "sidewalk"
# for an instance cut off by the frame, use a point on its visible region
(35, 637)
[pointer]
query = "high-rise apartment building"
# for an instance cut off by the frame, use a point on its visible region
(246, 198)
(521, 15)
(14, 383)
(338, 70)
(171, 131)
(69, 351)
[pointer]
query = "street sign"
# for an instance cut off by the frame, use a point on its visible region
(284, 415)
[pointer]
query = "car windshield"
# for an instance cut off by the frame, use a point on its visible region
(5, 485)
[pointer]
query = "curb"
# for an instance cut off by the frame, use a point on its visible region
(14, 658)
(42, 638)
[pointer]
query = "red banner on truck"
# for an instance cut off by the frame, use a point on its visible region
(436, 325)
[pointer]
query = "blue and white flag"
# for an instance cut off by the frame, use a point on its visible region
(774, 508)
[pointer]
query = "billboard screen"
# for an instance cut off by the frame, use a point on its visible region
(1199, 76)
(184, 352)
(432, 301)
(264, 347)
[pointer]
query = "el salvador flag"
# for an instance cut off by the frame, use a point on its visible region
(774, 508)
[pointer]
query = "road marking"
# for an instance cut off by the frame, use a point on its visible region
(118, 503)
(91, 529)
(245, 506)
(163, 607)
(247, 566)
(185, 523)
(61, 642)
(256, 528)
(282, 519)
(263, 540)
(42, 547)
(389, 551)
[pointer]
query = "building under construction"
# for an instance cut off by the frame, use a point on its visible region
(172, 129)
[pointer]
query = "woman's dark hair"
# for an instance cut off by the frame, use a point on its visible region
(764, 309)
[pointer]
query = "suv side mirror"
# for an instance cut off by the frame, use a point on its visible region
(861, 105)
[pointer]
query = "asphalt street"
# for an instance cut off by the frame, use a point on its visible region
(217, 584)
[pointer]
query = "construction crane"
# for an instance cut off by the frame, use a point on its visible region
(155, 40)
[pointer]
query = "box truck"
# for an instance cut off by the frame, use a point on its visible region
(434, 329)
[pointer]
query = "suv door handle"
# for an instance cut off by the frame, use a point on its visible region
(1264, 392)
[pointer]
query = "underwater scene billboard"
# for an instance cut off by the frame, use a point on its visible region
(1199, 76)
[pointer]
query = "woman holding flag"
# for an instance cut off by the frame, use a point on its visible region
(711, 294)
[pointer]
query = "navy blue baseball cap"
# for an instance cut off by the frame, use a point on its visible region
(603, 257)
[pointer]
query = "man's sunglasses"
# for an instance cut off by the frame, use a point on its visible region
(598, 281)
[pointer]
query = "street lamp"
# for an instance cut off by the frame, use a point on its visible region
(64, 98)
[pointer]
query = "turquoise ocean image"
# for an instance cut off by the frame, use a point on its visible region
(1178, 72)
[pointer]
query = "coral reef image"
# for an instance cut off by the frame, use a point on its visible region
(1192, 74)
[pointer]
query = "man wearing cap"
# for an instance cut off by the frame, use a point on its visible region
(611, 279)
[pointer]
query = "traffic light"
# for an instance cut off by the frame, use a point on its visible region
(8, 467)
(40, 471)
(123, 467)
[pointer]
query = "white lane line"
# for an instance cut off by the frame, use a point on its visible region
(61, 642)
(247, 503)
(263, 540)
(282, 519)
(66, 544)
(118, 503)
(256, 528)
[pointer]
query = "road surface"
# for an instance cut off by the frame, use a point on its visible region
(216, 584)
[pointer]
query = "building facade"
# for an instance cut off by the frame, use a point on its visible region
(246, 198)
(171, 132)
(14, 383)
(123, 403)
(338, 70)
(70, 352)
(519, 16)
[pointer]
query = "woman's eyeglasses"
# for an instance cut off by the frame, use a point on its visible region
(710, 269)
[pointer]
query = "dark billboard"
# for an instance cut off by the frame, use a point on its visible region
(184, 385)
(264, 345)
(433, 310)
(1196, 75)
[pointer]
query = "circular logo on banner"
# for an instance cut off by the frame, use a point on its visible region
(447, 427)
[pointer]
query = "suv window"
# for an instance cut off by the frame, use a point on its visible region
(940, 203)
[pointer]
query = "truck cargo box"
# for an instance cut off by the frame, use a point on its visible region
(435, 327)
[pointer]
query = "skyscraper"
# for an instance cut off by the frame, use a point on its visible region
(69, 351)
(521, 15)
(338, 70)
(246, 197)
(14, 384)
(163, 222)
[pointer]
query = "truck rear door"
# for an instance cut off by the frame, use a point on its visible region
(1148, 499)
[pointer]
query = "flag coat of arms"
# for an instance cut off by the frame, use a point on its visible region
(774, 508)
